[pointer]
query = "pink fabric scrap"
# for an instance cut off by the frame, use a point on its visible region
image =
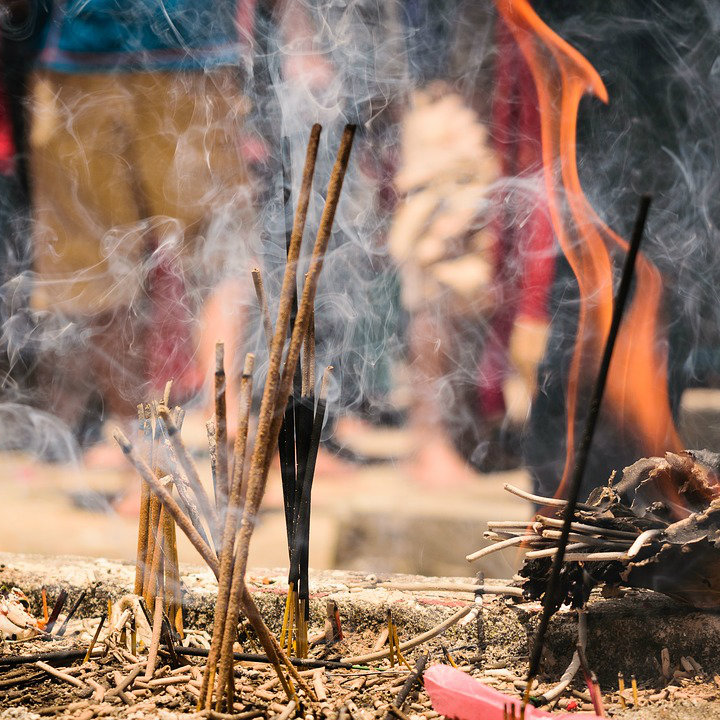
(459, 697)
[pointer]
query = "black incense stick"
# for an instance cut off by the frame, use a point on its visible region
(550, 601)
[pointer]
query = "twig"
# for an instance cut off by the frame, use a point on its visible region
(69, 679)
(413, 678)
(413, 642)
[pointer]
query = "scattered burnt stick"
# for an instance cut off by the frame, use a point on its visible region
(221, 437)
(54, 656)
(94, 638)
(57, 609)
(551, 591)
(414, 678)
(70, 614)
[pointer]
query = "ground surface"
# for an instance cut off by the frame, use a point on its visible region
(625, 634)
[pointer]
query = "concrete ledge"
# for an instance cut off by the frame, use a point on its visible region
(625, 633)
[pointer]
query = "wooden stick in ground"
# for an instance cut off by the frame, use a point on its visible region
(275, 398)
(168, 501)
(157, 564)
(414, 678)
(153, 526)
(155, 638)
(263, 305)
(144, 514)
(94, 638)
(221, 439)
(188, 466)
(173, 596)
(228, 540)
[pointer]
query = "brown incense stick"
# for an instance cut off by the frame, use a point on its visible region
(153, 525)
(173, 597)
(157, 564)
(221, 448)
(229, 531)
(263, 304)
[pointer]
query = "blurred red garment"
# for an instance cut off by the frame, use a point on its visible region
(524, 251)
(7, 146)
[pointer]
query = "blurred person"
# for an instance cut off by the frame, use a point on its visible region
(140, 194)
(443, 240)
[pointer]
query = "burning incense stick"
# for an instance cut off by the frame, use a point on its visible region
(275, 398)
(583, 450)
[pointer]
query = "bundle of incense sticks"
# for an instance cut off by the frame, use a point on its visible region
(157, 574)
(298, 446)
(222, 534)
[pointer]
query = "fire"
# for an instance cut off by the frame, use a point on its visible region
(636, 391)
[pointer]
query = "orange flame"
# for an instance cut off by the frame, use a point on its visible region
(637, 383)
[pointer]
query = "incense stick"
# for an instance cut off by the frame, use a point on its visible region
(263, 305)
(550, 599)
(221, 448)
(275, 398)
(228, 540)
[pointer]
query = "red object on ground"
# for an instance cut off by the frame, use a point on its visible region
(459, 697)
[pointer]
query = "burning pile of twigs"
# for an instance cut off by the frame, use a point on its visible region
(628, 534)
